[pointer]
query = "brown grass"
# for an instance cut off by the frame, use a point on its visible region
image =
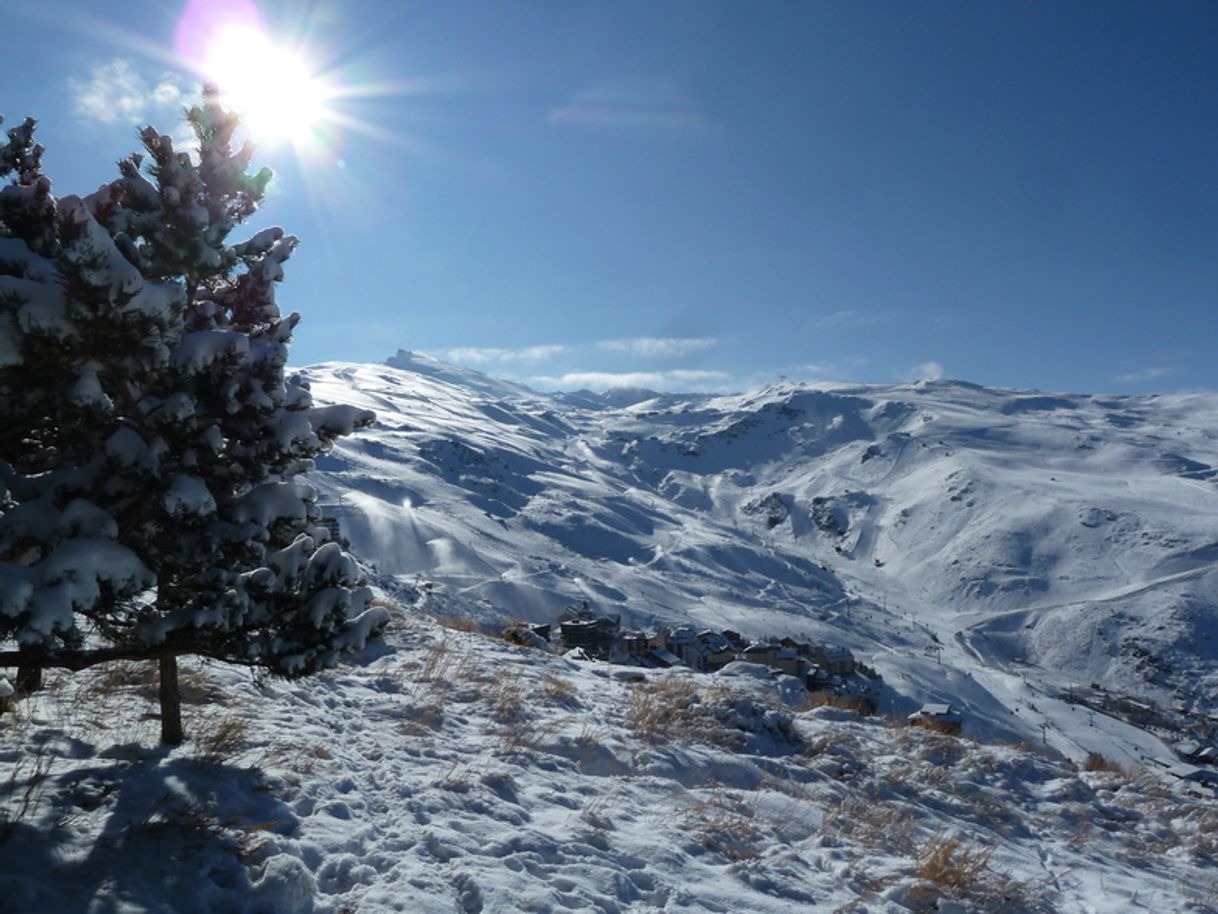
(953, 864)
(725, 824)
(517, 632)
(882, 826)
(458, 623)
(126, 674)
(558, 691)
(219, 737)
(507, 699)
(1096, 761)
(672, 707)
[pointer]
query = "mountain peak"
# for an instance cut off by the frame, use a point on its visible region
(475, 381)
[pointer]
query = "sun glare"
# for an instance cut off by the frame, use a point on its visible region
(273, 89)
(280, 77)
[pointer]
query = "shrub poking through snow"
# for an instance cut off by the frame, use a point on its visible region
(151, 504)
(953, 864)
(1097, 761)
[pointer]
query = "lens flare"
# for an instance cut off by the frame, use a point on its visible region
(272, 86)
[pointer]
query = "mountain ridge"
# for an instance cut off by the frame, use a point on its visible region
(1057, 530)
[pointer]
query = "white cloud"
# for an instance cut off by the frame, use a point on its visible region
(167, 93)
(1143, 374)
(851, 317)
(677, 379)
(561, 366)
(651, 346)
(641, 347)
(926, 371)
(115, 93)
(489, 355)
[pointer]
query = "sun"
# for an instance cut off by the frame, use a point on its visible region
(277, 94)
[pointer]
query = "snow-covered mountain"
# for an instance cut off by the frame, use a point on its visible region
(965, 541)
(999, 550)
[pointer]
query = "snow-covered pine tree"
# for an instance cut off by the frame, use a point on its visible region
(151, 504)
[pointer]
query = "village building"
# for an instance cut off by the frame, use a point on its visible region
(802, 648)
(833, 657)
(764, 653)
(596, 636)
(735, 639)
(662, 658)
(717, 650)
(1191, 774)
(1196, 752)
(788, 661)
(936, 716)
(684, 644)
(817, 679)
(636, 644)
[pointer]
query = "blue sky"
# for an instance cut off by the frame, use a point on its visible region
(706, 195)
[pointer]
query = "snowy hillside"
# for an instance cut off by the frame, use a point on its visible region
(976, 546)
(452, 772)
(1044, 563)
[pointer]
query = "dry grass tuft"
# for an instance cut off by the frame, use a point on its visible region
(446, 664)
(725, 824)
(882, 826)
(219, 737)
(559, 691)
(126, 674)
(507, 700)
(526, 735)
(664, 708)
(672, 707)
(1096, 761)
(437, 662)
(520, 632)
(198, 688)
(421, 718)
(458, 623)
(22, 793)
(953, 864)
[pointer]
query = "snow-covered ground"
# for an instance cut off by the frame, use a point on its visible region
(1046, 563)
(992, 548)
(452, 771)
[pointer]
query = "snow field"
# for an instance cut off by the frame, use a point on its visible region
(449, 770)
(1014, 537)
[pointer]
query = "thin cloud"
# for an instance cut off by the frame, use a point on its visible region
(489, 355)
(851, 317)
(651, 346)
(1143, 374)
(115, 93)
(676, 379)
(632, 103)
(925, 371)
(639, 347)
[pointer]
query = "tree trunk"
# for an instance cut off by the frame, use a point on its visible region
(171, 702)
(29, 680)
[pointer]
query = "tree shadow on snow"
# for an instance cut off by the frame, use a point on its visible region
(138, 829)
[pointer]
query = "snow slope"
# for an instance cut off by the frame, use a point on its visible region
(1000, 550)
(455, 772)
(1012, 536)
